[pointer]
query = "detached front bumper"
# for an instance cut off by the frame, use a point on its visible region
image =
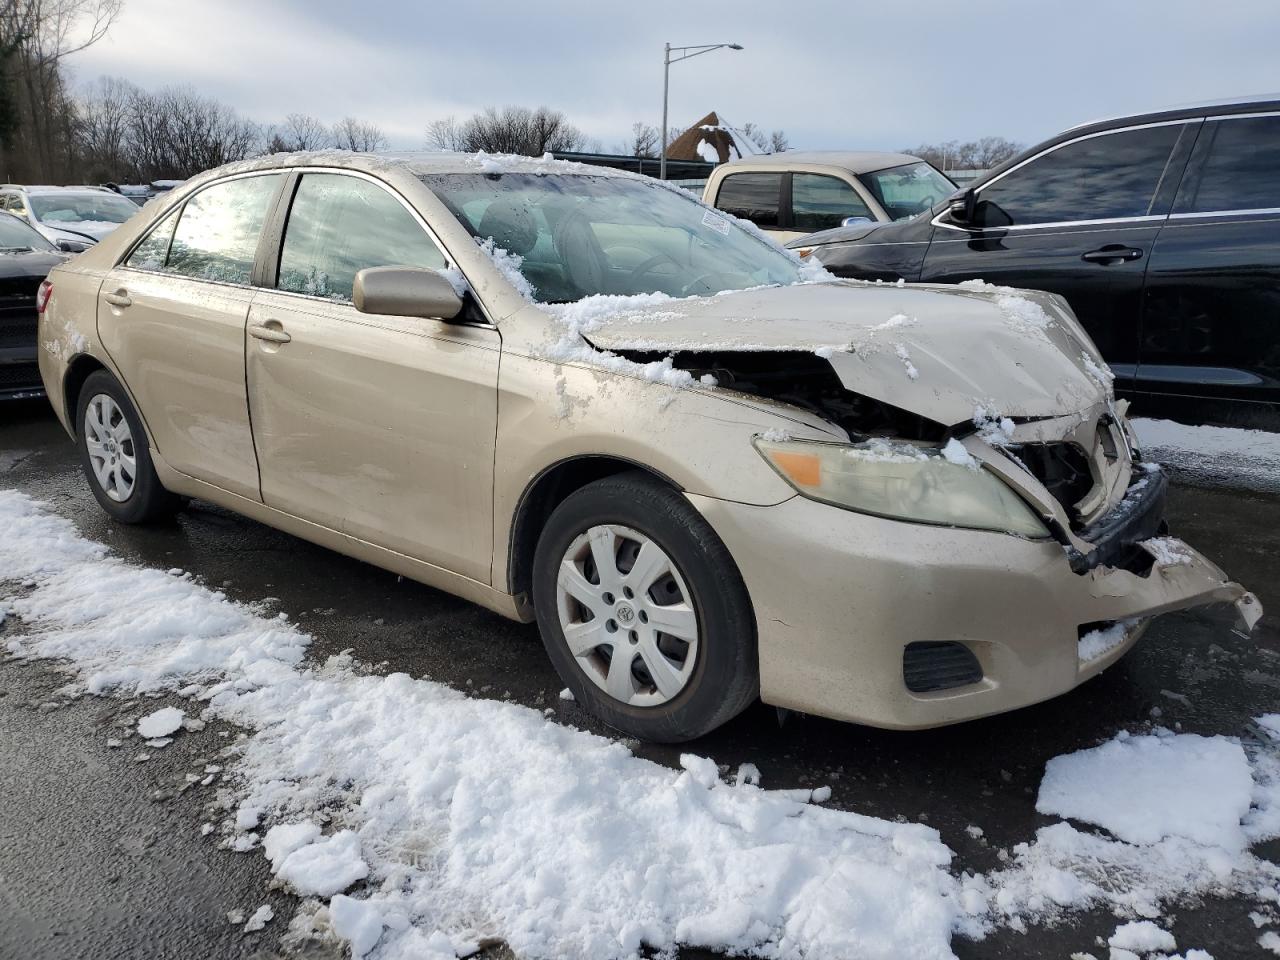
(839, 595)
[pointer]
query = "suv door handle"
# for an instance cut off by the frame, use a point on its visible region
(263, 331)
(1112, 253)
(120, 298)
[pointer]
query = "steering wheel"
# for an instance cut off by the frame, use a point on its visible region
(645, 268)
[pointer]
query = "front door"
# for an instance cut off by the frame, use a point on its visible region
(1079, 220)
(379, 427)
(172, 317)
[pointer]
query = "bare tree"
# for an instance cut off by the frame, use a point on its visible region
(643, 141)
(298, 132)
(35, 37)
(507, 130)
(765, 142)
(104, 129)
(352, 134)
(982, 154)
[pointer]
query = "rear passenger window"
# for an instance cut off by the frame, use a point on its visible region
(819, 202)
(338, 225)
(1112, 176)
(751, 196)
(152, 252)
(1242, 171)
(217, 233)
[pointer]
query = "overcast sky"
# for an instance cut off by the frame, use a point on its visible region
(873, 74)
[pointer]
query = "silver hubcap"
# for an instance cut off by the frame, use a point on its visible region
(110, 443)
(627, 615)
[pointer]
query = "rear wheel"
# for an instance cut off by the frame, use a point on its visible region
(115, 455)
(643, 611)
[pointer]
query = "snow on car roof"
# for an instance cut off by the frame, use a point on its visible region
(855, 161)
(428, 162)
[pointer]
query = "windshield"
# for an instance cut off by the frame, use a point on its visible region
(16, 236)
(88, 207)
(581, 235)
(909, 189)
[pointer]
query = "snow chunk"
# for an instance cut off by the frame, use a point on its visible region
(1168, 551)
(997, 430)
(508, 265)
(1146, 788)
(1103, 640)
(261, 917)
(359, 922)
(163, 722)
(905, 357)
(323, 867)
(954, 452)
(1142, 936)
(567, 694)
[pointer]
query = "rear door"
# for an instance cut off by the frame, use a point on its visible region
(1211, 328)
(1079, 219)
(379, 427)
(172, 316)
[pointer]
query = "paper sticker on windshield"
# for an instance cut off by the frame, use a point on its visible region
(719, 224)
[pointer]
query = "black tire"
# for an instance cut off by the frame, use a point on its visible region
(148, 500)
(725, 677)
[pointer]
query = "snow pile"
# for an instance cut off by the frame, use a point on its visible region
(1142, 936)
(474, 817)
(433, 820)
(993, 427)
(1213, 456)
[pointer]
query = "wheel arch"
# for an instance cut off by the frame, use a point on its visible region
(78, 371)
(548, 490)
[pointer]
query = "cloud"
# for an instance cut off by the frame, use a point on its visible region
(831, 73)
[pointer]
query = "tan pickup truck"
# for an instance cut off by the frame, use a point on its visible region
(800, 192)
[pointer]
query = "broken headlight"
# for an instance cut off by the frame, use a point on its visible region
(903, 481)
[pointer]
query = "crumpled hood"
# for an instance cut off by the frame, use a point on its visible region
(936, 350)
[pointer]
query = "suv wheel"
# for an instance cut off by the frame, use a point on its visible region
(643, 611)
(115, 455)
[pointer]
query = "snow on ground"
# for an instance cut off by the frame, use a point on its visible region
(1213, 456)
(432, 820)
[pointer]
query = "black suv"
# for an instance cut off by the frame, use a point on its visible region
(1161, 230)
(25, 258)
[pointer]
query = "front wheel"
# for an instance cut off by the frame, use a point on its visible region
(115, 455)
(643, 612)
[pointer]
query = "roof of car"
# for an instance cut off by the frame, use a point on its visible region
(50, 188)
(855, 161)
(1252, 103)
(425, 163)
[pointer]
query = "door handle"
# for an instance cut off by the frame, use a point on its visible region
(1112, 253)
(120, 298)
(263, 331)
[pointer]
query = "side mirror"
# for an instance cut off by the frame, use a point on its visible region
(406, 292)
(962, 206)
(854, 221)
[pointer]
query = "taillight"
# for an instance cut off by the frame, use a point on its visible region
(43, 295)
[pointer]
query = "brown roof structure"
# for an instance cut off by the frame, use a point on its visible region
(709, 131)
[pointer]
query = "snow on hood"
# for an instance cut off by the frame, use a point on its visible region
(939, 351)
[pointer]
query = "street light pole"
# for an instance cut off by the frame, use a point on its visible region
(667, 61)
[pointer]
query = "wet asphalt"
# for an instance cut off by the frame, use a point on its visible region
(102, 856)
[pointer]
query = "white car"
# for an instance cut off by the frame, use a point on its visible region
(72, 218)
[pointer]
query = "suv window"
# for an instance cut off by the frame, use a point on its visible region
(339, 225)
(1242, 171)
(1105, 177)
(820, 202)
(152, 252)
(751, 196)
(217, 233)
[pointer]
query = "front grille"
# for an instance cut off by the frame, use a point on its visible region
(1063, 469)
(18, 320)
(939, 665)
